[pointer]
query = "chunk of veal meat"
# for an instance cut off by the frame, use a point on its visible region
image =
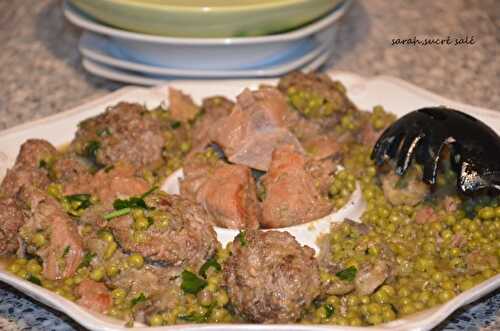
(229, 194)
(188, 240)
(94, 296)
(213, 109)
(181, 106)
(108, 185)
(369, 277)
(11, 219)
(226, 191)
(404, 190)
(28, 169)
(254, 129)
(64, 251)
(291, 197)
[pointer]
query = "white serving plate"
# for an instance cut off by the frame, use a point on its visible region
(206, 53)
(395, 95)
(100, 49)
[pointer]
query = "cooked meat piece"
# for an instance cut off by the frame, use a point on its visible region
(450, 203)
(270, 277)
(301, 127)
(254, 129)
(321, 172)
(478, 261)
(35, 150)
(229, 194)
(214, 108)
(369, 277)
(404, 190)
(64, 251)
(29, 169)
(20, 176)
(68, 169)
(94, 296)
(126, 132)
(333, 102)
(11, 219)
(187, 240)
(197, 167)
(322, 147)
(226, 191)
(108, 185)
(425, 214)
(338, 287)
(291, 197)
(181, 105)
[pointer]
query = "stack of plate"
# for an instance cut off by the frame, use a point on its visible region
(133, 45)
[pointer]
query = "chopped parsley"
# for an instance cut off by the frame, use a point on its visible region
(91, 148)
(210, 263)
(125, 206)
(138, 299)
(175, 125)
(347, 274)
(34, 280)
(241, 237)
(191, 283)
(87, 258)
(66, 251)
(329, 309)
(103, 132)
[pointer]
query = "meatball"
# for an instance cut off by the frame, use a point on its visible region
(186, 238)
(126, 132)
(270, 278)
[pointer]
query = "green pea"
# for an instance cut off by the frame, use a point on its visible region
(39, 239)
(118, 293)
(106, 236)
(110, 249)
(33, 267)
(136, 260)
(112, 270)
(97, 274)
(141, 223)
(156, 320)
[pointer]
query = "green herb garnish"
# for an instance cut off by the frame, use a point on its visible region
(91, 148)
(138, 299)
(87, 258)
(330, 309)
(241, 237)
(194, 318)
(117, 213)
(66, 251)
(347, 274)
(103, 132)
(175, 125)
(210, 263)
(191, 283)
(34, 280)
(79, 201)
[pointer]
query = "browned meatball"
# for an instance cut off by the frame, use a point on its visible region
(11, 219)
(126, 132)
(188, 239)
(270, 277)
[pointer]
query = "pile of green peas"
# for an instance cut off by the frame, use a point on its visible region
(431, 260)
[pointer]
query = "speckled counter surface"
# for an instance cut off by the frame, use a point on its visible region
(40, 74)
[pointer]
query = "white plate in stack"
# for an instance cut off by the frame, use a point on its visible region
(146, 59)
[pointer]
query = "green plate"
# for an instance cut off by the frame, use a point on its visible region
(206, 19)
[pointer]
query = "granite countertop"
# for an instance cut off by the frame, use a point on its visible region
(41, 74)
